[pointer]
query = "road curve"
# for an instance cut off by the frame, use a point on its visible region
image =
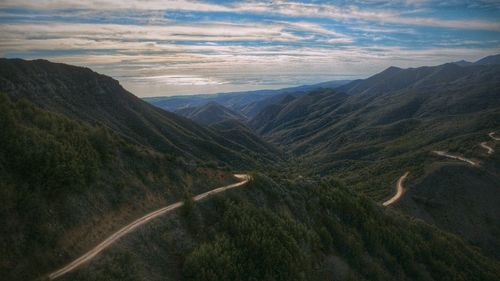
(127, 229)
(399, 192)
(445, 154)
(487, 147)
(492, 135)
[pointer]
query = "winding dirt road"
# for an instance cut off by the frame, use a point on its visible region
(445, 154)
(400, 189)
(492, 135)
(127, 229)
(399, 192)
(487, 147)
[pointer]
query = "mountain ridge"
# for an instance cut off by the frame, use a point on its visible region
(91, 97)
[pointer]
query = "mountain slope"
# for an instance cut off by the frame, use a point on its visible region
(388, 105)
(229, 124)
(210, 113)
(64, 185)
(379, 128)
(97, 99)
(245, 103)
(80, 157)
(289, 230)
(494, 59)
(460, 199)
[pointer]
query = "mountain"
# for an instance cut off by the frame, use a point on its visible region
(393, 100)
(230, 125)
(460, 199)
(370, 132)
(285, 229)
(210, 113)
(386, 117)
(245, 103)
(80, 157)
(82, 94)
(65, 185)
(462, 63)
(494, 59)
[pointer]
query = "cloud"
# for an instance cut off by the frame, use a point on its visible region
(372, 29)
(354, 13)
(96, 36)
(181, 47)
(116, 5)
(179, 80)
(286, 8)
(313, 27)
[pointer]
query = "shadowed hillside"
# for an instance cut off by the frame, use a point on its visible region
(85, 95)
(392, 119)
(65, 185)
(81, 157)
(370, 132)
(290, 230)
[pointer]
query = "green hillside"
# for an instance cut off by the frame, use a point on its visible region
(65, 185)
(362, 130)
(80, 157)
(79, 93)
(290, 230)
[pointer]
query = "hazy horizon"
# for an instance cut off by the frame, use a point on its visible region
(166, 48)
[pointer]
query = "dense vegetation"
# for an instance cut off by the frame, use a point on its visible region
(58, 175)
(292, 231)
(80, 156)
(81, 94)
(370, 132)
(362, 130)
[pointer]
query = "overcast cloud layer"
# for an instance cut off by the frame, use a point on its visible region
(159, 48)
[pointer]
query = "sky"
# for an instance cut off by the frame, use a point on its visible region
(182, 47)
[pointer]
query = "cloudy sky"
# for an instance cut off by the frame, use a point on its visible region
(178, 47)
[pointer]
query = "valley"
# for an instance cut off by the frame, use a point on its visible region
(254, 140)
(119, 175)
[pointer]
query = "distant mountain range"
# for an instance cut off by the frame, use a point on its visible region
(246, 103)
(494, 59)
